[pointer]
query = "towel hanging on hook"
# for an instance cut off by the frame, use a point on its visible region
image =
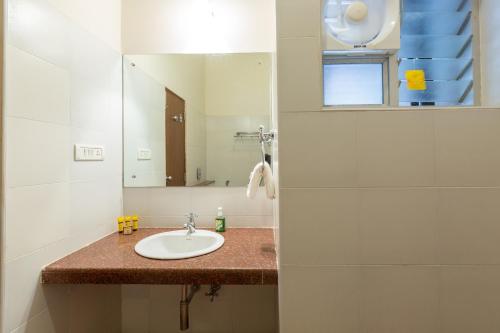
(262, 171)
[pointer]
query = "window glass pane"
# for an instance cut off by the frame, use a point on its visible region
(436, 38)
(353, 84)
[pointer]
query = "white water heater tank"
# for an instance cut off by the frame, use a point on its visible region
(361, 25)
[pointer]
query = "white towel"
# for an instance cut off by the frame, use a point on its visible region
(257, 174)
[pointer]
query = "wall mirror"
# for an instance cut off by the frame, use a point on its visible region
(192, 119)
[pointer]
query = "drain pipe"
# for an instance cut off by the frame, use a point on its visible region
(187, 296)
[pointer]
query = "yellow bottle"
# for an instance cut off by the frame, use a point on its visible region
(135, 222)
(121, 224)
(127, 227)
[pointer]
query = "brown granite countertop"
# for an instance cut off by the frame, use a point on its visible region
(247, 257)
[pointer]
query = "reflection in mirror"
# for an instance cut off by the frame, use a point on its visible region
(192, 120)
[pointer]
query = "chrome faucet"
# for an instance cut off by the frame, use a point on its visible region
(191, 225)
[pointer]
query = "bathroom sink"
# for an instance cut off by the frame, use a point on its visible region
(177, 245)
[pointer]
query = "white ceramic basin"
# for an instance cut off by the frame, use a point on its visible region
(176, 245)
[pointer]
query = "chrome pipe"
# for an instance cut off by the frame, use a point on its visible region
(187, 295)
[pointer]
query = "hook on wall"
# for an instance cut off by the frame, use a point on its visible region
(263, 139)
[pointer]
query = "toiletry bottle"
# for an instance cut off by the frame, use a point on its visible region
(127, 228)
(135, 223)
(121, 223)
(220, 221)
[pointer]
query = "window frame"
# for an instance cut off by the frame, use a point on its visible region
(353, 60)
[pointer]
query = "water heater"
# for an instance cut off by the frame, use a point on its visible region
(361, 25)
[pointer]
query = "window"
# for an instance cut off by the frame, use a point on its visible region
(437, 38)
(354, 81)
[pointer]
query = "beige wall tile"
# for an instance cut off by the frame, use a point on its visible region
(299, 74)
(38, 216)
(102, 200)
(318, 150)
(206, 318)
(396, 149)
(237, 309)
(320, 299)
(167, 202)
(400, 299)
(320, 227)
(40, 323)
(255, 309)
(470, 299)
(26, 297)
(95, 308)
(46, 85)
(298, 18)
(398, 226)
(41, 157)
(207, 221)
(135, 308)
(167, 207)
(467, 148)
(161, 298)
(469, 228)
(234, 201)
(137, 201)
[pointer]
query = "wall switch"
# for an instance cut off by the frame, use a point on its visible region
(144, 154)
(89, 153)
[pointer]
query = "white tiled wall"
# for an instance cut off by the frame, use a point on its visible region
(237, 309)
(167, 207)
(63, 86)
(390, 218)
(228, 158)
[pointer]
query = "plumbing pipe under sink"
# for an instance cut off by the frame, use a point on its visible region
(187, 296)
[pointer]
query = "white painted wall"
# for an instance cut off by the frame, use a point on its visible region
(100, 18)
(238, 84)
(198, 26)
(490, 49)
(63, 86)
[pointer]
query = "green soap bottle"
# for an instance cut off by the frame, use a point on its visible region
(220, 221)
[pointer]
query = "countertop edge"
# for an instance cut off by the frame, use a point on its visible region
(56, 273)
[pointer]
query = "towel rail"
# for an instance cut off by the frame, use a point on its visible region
(247, 135)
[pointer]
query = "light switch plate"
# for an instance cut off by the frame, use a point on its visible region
(89, 152)
(144, 154)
